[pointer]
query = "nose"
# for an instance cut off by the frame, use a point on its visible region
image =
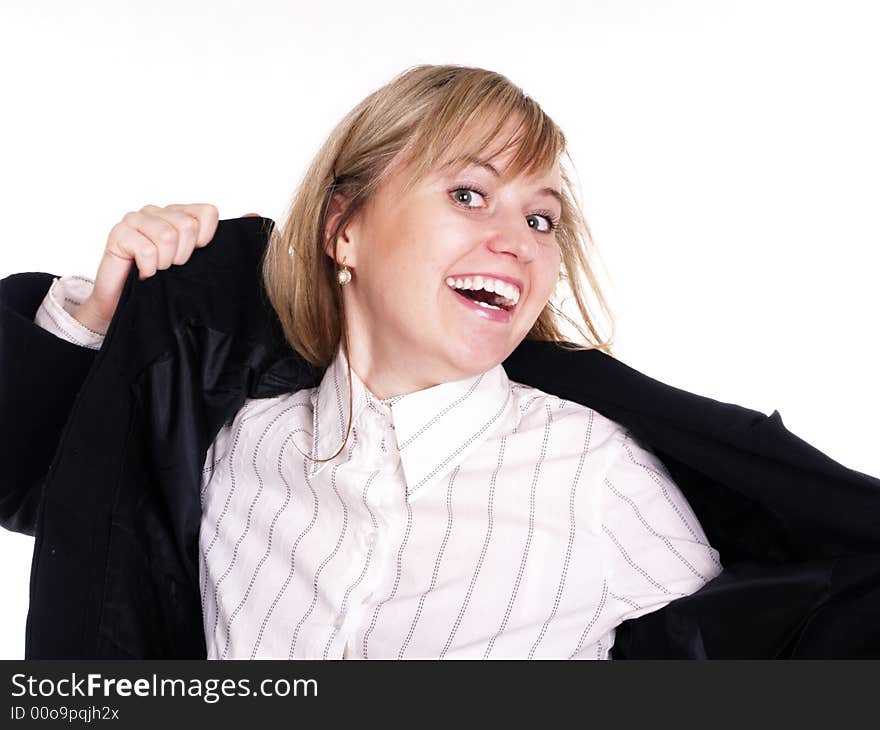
(512, 234)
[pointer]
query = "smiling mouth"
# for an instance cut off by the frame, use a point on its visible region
(488, 293)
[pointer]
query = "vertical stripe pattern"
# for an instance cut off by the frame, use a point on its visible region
(480, 518)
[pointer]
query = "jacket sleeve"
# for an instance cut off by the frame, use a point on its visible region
(40, 376)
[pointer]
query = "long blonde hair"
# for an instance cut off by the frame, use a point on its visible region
(419, 115)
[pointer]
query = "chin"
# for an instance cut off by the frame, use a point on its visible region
(479, 359)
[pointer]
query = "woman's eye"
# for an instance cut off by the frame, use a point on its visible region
(535, 220)
(465, 196)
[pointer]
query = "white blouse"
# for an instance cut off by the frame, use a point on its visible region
(481, 518)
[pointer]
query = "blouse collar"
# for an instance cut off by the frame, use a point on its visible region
(435, 428)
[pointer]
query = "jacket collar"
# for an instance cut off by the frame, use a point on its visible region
(434, 429)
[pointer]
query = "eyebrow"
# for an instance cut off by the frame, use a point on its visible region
(479, 162)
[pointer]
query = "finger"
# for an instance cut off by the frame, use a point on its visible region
(157, 229)
(207, 215)
(124, 245)
(186, 228)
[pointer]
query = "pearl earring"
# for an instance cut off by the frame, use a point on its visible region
(343, 275)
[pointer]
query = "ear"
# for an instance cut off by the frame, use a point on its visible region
(345, 250)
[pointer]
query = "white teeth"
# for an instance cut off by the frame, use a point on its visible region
(509, 291)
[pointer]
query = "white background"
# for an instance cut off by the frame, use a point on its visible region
(727, 156)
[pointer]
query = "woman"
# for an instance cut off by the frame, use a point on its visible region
(446, 504)
(416, 502)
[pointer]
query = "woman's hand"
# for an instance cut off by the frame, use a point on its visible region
(155, 238)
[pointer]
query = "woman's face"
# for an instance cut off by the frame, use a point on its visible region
(408, 328)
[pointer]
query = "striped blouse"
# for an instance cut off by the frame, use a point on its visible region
(481, 518)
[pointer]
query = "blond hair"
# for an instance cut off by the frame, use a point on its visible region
(419, 116)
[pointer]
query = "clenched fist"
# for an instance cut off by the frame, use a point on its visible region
(154, 238)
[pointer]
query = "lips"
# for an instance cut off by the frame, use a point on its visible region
(511, 291)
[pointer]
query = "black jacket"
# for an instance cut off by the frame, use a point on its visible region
(102, 453)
